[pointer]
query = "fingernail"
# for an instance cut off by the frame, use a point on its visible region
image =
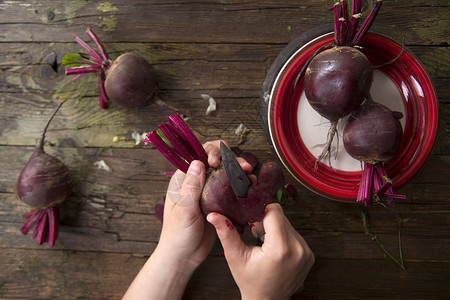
(213, 159)
(209, 216)
(195, 168)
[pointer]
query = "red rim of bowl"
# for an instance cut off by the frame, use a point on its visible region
(421, 107)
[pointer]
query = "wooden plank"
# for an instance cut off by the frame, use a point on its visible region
(220, 48)
(228, 82)
(94, 275)
(206, 21)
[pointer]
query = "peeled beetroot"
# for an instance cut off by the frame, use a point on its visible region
(218, 195)
(43, 183)
(373, 134)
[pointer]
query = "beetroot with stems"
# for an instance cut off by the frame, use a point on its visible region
(43, 183)
(180, 146)
(338, 80)
(373, 135)
(128, 81)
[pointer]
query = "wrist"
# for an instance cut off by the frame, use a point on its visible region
(162, 277)
(173, 263)
(261, 297)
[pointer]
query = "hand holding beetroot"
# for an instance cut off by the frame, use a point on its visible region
(278, 268)
(179, 145)
(186, 237)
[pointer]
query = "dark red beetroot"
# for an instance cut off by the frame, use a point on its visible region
(373, 135)
(338, 80)
(43, 183)
(218, 195)
(180, 146)
(128, 81)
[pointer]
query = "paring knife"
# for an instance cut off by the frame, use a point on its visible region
(239, 180)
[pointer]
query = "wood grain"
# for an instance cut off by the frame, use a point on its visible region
(223, 49)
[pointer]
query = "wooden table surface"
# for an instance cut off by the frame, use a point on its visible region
(222, 49)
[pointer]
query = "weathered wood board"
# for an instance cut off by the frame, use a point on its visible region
(223, 49)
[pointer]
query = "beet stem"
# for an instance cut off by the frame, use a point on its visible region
(74, 79)
(102, 96)
(99, 44)
(337, 16)
(82, 69)
(94, 55)
(190, 138)
(367, 23)
(356, 7)
(342, 25)
(391, 61)
(352, 27)
(41, 142)
(180, 146)
(365, 189)
(344, 11)
(389, 194)
(167, 151)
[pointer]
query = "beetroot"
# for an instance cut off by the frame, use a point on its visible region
(218, 195)
(373, 135)
(43, 183)
(128, 81)
(180, 146)
(338, 80)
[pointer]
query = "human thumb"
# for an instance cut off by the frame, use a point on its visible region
(231, 241)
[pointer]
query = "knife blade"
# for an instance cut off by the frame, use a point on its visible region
(239, 180)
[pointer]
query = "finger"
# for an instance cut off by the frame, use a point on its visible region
(245, 165)
(231, 241)
(212, 148)
(252, 178)
(257, 229)
(274, 226)
(173, 190)
(192, 186)
(216, 143)
(213, 154)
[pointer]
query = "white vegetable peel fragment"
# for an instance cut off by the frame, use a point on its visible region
(102, 165)
(212, 103)
(138, 137)
(240, 129)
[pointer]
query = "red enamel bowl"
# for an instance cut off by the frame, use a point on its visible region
(287, 116)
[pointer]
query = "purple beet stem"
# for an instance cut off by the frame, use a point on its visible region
(375, 184)
(186, 146)
(345, 29)
(99, 64)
